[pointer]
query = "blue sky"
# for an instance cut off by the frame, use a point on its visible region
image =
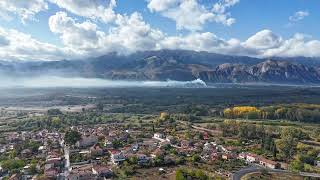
(66, 29)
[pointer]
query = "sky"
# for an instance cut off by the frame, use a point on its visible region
(72, 29)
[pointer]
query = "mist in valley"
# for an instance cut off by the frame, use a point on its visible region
(80, 82)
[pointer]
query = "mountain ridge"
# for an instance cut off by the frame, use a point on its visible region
(181, 65)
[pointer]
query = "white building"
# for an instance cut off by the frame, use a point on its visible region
(117, 157)
(251, 158)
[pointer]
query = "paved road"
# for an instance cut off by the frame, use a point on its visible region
(67, 157)
(250, 169)
(256, 168)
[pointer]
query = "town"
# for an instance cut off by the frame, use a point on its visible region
(164, 146)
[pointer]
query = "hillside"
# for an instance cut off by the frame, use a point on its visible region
(176, 65)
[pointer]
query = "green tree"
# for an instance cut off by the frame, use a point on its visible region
(100, 107)
(288, 142)
(12, 164)
(179, 175)
(296, 165)
(195, 158)
(71, 137)
(54, 112)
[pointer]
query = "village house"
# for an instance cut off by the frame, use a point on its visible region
(228, 149)
(142, 159)
(228, 156)
(268, 163)
(135, 147)
(51, 172)
(159, 136)
(205, 136)
(87, 141)
(214, 156)
(157, 152)
(170, 139)
(96, 150)
(117, 157)
(26, 153)
(242, 156)
(252, 158)
(81, 173)
(185, 144)
(208, 147)
(102, 172)
(108, 141)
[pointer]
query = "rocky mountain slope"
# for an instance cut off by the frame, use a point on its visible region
(176, 65)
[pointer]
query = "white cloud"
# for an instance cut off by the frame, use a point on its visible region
(264, 39)
(161, 5)
(4, 41)
(80, 36)
(191, 15)
(298, 45)
(298, 16)
(93, 9)
(135, 34)
(24, 9)
(221, 6)
(262, 44)
(129, 34)
(20, 46)
(197, 41)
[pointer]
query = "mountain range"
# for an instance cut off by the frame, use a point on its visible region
(180, 65)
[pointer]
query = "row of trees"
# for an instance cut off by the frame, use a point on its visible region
(301, 113)
(244, 131)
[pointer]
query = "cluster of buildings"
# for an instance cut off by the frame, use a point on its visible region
(102, 149)
(213, 151)
(40, 152)
(253, 158)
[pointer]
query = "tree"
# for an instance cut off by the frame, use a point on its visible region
(54, 112)
(33, 168)
(71, 137)
(116, 144)
(179, 175)
(56, 122)
(288, 142)
(199, 174)
(274, 149)
(13, 164)
(195, 158)
(100, 107)
(296, 165)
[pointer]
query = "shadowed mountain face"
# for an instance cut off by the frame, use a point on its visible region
(176, 65)
(268, 71)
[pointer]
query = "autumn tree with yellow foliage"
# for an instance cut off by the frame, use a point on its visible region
(248, 112)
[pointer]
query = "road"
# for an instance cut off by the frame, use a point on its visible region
(67, 158)
(256, 168)
(200, 128)
(250, 169)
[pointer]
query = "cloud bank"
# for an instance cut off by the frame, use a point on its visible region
(102, 30)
